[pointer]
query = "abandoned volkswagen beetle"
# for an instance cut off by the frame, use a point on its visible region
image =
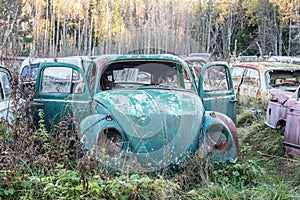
(144, 111)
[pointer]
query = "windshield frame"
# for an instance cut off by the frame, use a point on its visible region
(155, 68)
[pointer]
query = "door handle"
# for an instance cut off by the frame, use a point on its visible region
(233, 100)
(38, 103)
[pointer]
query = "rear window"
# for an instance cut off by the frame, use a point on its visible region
(133, 74)
(277, 78)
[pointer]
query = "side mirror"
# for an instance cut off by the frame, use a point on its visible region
(298, 95)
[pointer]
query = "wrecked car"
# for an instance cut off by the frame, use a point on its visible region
(11, 61)
(29, 67)
(253, 80)
(283, 113)
(196, 63)
(143, 111)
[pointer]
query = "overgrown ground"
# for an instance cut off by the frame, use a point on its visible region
(37, 165)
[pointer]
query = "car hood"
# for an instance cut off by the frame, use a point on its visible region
(162, 123)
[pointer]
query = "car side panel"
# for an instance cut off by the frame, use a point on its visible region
(292, 131)
(275, 112)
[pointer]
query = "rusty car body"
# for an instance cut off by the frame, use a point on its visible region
(11, 61)
(253, 80)
(143, 111)
(283, 113)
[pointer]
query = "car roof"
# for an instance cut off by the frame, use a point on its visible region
(196, 58)
(207, 56)
(267, 65)
(118, 57)
(16, 60)
(76, 60)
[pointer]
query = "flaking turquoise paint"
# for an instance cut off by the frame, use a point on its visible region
(159, 124)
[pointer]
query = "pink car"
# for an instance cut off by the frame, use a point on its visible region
(283, 112)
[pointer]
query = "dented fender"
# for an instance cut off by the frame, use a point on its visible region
(219, 137)
(92, 126)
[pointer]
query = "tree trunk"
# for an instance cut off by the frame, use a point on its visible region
(45, 45)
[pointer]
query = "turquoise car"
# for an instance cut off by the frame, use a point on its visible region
(143, 111)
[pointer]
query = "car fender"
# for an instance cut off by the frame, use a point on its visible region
(93, 125)
(219, 137)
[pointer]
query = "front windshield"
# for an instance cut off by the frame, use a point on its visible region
(278, 78)
(133, 74)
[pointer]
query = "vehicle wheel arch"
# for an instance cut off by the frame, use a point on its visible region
(280, 125)
(94, 126)
(218, 125)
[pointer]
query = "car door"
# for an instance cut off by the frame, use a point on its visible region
(216, 89)
(61, 91)
(237, 74)
(5, 91)
(249, 88)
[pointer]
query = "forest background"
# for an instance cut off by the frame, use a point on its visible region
(224, 28)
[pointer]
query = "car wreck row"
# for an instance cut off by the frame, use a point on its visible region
(150, 111)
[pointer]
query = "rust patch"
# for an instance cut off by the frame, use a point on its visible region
(223, 145)
(258, 95)
(230, 124)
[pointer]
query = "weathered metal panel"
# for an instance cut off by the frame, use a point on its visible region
(160, 126)
(146, 116)
(281, 96)
(275, 113)
(219, 140)
(292, 129)
(277, 107)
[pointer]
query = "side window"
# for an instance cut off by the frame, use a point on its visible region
(252, 77)
(62, 80)
(5, 86)
(237, 73)
(77, 85)
(215, 79)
